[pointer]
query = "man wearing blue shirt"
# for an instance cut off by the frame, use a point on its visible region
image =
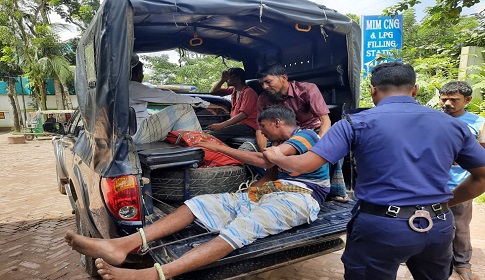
(453, 98)
(404, 152)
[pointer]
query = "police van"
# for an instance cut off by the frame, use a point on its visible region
(96, 153)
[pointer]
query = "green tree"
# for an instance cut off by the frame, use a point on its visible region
(162, 70)
(48, 54)
(434, 51)
(77, 12)
(198, 70)
(37, 48)
(433, 72)
(354, 17)
(8, 73)
(443, 10)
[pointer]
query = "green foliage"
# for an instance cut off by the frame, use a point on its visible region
(480, 199)
(201, 71)
(162, 70)
(354, 17)
(365, 98)
(477, 79)
(432, 72)
(477, 107)
(443, 9)
(400, 7)
(77, 12)
(421, 40)
(29, 44)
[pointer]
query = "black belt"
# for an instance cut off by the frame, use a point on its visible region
(435, 210)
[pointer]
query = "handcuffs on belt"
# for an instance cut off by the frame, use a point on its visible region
(393, 211)
(420, 214)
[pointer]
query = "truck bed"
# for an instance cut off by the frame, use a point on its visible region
(298, 244)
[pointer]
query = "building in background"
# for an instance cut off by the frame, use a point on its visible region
(26, 102)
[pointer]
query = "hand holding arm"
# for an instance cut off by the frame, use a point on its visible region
(305, 163)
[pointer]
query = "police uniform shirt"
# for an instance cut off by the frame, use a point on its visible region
(403, 151)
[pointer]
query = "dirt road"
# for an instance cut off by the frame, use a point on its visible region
(34, 217)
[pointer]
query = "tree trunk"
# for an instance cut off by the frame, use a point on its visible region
(10, 94)
(23, 99)
(43, 96)
(19, 111)
(17, 103)
(67, 98)
(59, 93)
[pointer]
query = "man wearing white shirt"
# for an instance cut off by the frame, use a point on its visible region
(155, 127)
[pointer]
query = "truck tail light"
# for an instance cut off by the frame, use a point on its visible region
(121, 195)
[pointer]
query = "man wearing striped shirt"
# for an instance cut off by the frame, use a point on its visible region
(279, 201)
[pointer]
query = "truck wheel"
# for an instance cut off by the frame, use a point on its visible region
(29, 137)
(169, 184)
(86, 262)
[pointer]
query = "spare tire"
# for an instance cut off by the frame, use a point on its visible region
(168, 184)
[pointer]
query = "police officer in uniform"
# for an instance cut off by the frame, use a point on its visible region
(404, 152)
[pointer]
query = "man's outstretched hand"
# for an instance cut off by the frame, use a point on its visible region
(208, 145)
(215, 126)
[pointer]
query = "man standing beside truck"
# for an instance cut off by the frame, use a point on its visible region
(453, 98)
(404, 152)
(277, 202)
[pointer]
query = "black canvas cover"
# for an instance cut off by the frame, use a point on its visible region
(300, 34)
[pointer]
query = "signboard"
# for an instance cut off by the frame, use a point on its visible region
(382, 36)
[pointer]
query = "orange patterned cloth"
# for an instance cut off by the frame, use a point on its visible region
(255, 193)
(211, 158)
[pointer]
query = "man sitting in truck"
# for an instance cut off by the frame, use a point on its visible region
(181, 116)
(244, 112)
(277, 202)
(304, 98)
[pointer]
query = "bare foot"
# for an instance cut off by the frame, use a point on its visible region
(110, 272)
(112, 250)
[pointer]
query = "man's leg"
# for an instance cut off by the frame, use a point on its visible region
(377, 245)
(232, 131)
(338, 190)
(272, 214)
(157, 126)
(275, 213)
(302, 211)
(434, 262)
(201, 255)
(115, 251)
(215, 212)
(462, 248)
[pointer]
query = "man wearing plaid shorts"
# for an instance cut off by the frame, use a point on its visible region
(277, 202)
(179, 116)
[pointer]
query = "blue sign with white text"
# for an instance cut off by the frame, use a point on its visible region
(382, 39)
